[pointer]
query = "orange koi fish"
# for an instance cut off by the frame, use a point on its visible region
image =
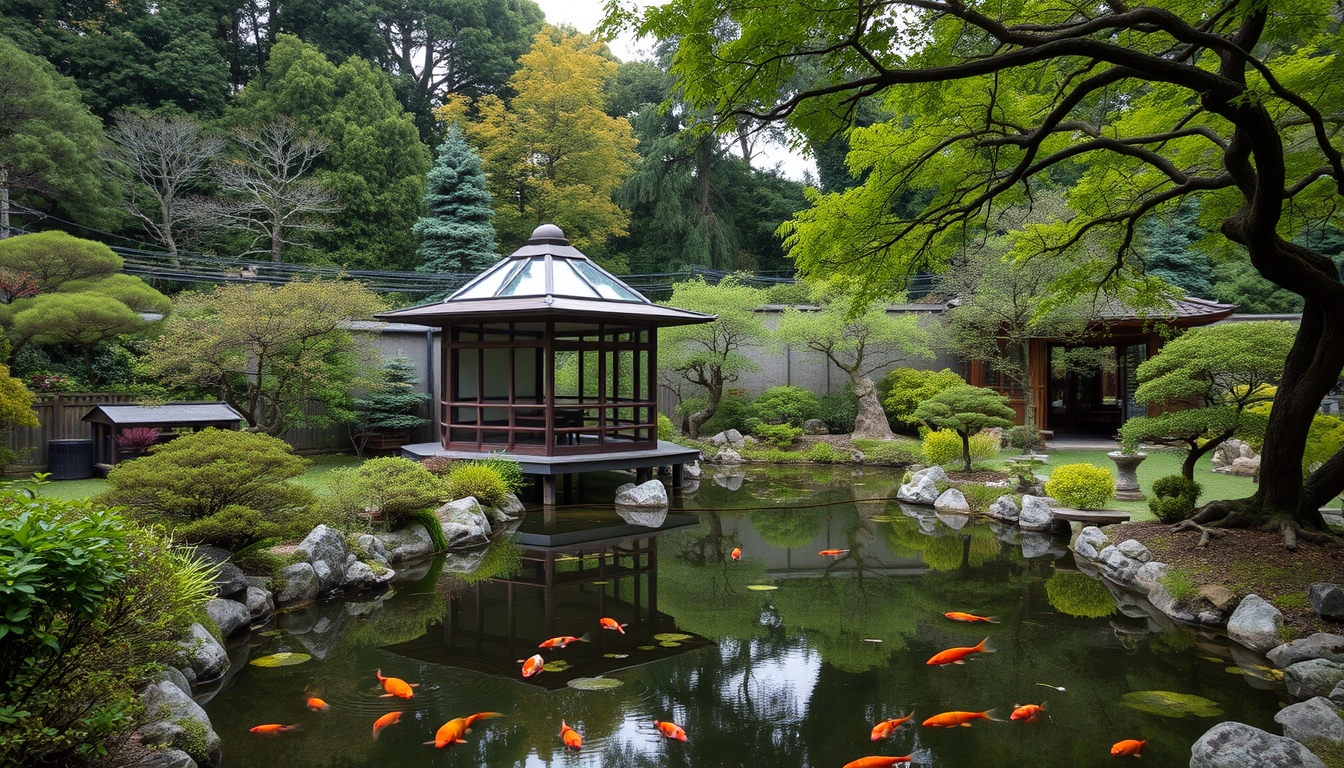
(1027, 712)
(884, 729)
(954, 719)
(879, 761)
(317, 705)
(958, 655)
(453, 730)
(272, 728)
(736, 554)
(959, 616)
(1128, 747)
(391, 718)
(570, 736)
(395, 686)
(562, 641)
(532, 665)
(612, 625)
(832, 552)
(670, 730)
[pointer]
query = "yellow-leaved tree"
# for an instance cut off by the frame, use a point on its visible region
(551, 154)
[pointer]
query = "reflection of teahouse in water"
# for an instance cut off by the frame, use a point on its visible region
(570, 577)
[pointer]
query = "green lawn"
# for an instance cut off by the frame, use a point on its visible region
(1158, 464)
(315, 478)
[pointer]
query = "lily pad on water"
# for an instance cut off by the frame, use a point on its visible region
(648, 647)
(615, 655)
(670, 644)
(555, 666)
(671, 637)
(761, 587)
(280, 660)
(595, 683)
(1169, 704)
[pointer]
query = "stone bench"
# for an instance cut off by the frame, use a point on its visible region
(1097, 517)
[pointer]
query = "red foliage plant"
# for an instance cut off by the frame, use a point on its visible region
(137, 439)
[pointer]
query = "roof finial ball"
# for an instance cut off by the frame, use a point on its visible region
(548, 234)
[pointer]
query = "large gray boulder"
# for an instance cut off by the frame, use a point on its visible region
(1337, 694)
(1119, 567)
(464, 523)
(228, 615)
(1134, 549)
(295, 583)
(512, 506)
(815, 427)
(728, 456)
(360, 575)
(1236, 745)
(1004, 508)
(1090, 542)
(1327, 600)
(649, 494)
(952, 500)
(1312, 678)
(1036, 514)
(206, 659)
(1311, 720)
(229, 581)
(1148, 577)
(175, 721)
(410, 542)
(324, 549)
(729, 437)
(921, 490)
(1321, 645)
(935, 473)
(260, 604)
(691, 471)
(370, 549)
(174, 676)
(1256, 624)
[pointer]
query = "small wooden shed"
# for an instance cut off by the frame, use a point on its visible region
(109, 420)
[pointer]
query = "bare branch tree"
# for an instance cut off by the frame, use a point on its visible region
(161, 159)
(271, 192)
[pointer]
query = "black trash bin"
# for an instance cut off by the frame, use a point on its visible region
(70, 459)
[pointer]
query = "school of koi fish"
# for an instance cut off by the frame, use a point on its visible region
(453, 731)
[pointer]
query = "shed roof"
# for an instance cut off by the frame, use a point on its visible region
(172, 413)
(547, 278)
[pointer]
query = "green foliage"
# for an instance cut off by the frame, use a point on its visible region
(510, 471)
(732, 413)
(966, 410)
(890, 453)
(481, 481)
(839, 411)
(906, 388)
(375, 163)
(944, 446)
(786, 528)
(432, 525)
(980, 497)
(1023, 437)
(778, 435)
(268, 349)
(1179, 584)
(785, 405)
(236, 527)
(456, 234)
(1207, 384)
(709, 355)
(825, 453)
(1081, 486)
(208, 472)
(1078, 594)
(398, 487)
(1173, 498)
(89, 604)
(666, 429)
(392, 404)
(49, 139)
(1168, 246)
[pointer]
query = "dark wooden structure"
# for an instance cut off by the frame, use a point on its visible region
(108, 421)
(550, 360)
(1097, 401)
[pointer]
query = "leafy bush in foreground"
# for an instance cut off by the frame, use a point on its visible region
(479, 480)
(90, 604)
(1081, 486)
(1173, 498)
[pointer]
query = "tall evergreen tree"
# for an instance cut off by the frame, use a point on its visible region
(1168, 245)
(457, 235)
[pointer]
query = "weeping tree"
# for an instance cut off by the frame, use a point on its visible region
(1137, 107)
(860, 338)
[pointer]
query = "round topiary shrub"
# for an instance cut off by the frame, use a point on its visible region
(1173, 498)
(943, 446)
(666, 429)
(479, 480)
(785, 405)
(1081, 486)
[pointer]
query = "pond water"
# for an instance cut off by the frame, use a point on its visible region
(783, 658)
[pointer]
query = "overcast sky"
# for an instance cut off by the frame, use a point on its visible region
(585, 15)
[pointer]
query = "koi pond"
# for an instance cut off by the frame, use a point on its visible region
(783, 657)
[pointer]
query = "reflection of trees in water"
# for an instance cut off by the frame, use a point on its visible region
(704, 589)
(786, 528)
(1078, 594)
(970, 547)
(836, 615)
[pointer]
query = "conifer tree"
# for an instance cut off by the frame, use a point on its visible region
(456, 235)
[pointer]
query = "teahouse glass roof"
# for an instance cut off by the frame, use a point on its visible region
(547, 277)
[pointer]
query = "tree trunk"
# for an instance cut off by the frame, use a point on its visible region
(714, 390)
(1197, 452)
(871, 423)
(965, 451)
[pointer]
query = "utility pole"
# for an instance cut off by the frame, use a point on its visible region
(4, 201)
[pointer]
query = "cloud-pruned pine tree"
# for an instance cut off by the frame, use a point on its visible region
(456, 234)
